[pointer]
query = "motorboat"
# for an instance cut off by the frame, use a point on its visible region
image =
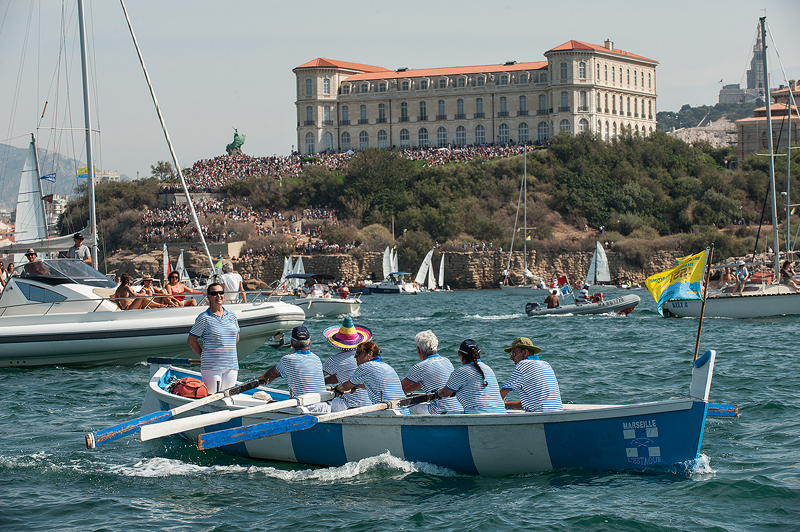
(320, 301)
(619, 305)
(61, 313)
(663, 435)
(394, 283)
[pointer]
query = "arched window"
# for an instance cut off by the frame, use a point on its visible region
(327, 141)
(363, 140)
(541, 131)
(345, 141)
(422, 137)
(308, 87)
(480, 135)
(461, 136)
(441, 137)
(523, 132)
(563, 126)
(309, 143)
(502, 136)
(382, 138)
(404, 138)
(583, 125)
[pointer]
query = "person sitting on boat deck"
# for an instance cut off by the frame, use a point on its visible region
(582, 297)
(726, 279)
(787, 275)
(177, 289)
(429, 375)
(376, 376)
(149, 290)
(541, 285)
(233, 282)
(532, 378)
(741, 274)
(552, 300)
(305, 291)
(218, 328)
(34, 267)
(339, 367)
(79, 251)
(473, 383)
(127, 298)
(302, 370)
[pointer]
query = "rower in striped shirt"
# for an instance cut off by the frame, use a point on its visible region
(302, 369)
(533, 378)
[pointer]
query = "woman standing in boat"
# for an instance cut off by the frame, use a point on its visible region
(219, 331)
(474, 383)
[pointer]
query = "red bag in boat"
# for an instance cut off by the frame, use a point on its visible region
(189, 387)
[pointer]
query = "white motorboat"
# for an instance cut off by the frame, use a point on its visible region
(319, 301)
(619, 305)
(395, 283)
(531, 290)
(62, 315)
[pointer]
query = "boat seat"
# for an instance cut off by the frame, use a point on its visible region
(105, 293)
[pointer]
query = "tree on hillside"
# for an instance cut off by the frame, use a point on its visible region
(162, 171)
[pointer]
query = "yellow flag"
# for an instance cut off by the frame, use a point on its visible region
(681, 282)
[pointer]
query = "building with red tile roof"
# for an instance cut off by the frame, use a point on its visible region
(752, 131)
(579, 87)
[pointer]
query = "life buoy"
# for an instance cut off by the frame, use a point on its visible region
(597, 298)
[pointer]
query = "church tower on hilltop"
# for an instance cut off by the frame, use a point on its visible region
(755, 76)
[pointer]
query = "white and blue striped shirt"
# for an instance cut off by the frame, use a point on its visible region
(342, 365)
(537, 385)
(476, 398)
(303, 372)
(218, 334)
(381, 381)
(431, 374)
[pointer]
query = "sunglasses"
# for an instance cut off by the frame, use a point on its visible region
(212, 294)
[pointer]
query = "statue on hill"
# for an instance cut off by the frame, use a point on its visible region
(235, 147)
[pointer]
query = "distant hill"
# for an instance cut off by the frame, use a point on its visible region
(689, 117)
(13, 159)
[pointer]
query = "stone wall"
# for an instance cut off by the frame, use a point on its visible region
(463, 270)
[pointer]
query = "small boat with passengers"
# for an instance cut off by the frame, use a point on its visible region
(660, 435)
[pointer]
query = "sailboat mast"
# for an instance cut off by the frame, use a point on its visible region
(525, 214)
(169, 142)
(88, 120)
(771, 150)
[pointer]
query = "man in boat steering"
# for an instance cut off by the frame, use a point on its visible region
(302, 369)
(79, 251)
(532, 378)
(552, 300)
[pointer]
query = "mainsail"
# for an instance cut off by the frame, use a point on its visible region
(387, 262)
(425, 270)
(31, 221)
(598, 269)
(441, 272)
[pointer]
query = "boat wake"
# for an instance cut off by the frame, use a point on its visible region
(165, 467)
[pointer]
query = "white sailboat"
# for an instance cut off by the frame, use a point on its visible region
(425, 275)
(525, 289)
(387, 262)
(441, 273)
(59, 313)
(598, 270)
(757, 300)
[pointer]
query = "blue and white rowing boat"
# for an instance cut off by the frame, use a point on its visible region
(661, 435)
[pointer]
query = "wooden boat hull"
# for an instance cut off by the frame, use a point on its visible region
(659, 435)
(619, 305)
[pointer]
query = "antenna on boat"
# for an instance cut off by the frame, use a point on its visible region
(169, 142)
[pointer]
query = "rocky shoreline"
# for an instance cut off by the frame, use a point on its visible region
(463, 270)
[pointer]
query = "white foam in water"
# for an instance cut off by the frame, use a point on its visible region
(30, 460)
(164, 467)
(702, 466)
(496, 318)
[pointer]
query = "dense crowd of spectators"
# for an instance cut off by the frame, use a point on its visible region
(210, 175)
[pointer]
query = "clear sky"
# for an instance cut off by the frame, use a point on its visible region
(218, 65)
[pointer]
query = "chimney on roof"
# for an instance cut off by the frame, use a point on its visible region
(508, 63)
(609, 44)
(793, 84)
(402, 69)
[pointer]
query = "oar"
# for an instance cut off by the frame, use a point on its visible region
(722, 410)
(176, 426)
(219, 438)
(93, 439)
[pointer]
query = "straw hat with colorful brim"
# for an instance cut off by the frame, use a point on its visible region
(347, 335)
(524, 343)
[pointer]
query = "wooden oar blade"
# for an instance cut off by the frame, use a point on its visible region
(93, 439)
(720, 410)
(219, 438)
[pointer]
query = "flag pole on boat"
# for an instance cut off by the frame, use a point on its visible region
(706, 277)
(169, 142)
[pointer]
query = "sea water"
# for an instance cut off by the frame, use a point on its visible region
(747, 477)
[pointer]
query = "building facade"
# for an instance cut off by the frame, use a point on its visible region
(752, 131)
(578, 88)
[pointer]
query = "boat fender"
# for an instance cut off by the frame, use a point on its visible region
(598, 297)
(531, 306)
(189, 387)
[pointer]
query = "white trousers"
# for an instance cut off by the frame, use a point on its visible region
(219, 379)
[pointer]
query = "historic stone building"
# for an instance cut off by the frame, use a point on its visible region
(579, 87)
(752, 131)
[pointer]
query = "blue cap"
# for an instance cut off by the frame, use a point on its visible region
(467, 345)
(300, 333)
